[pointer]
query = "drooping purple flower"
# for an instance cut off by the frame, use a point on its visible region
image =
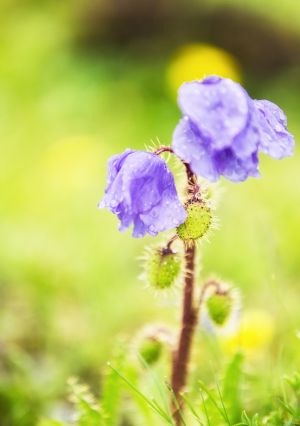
(141, 190)
(223, 129)
(275, 139)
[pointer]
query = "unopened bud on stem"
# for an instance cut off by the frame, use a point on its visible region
(163, 268)
(197, 224)
(150, 350)
(219, 307)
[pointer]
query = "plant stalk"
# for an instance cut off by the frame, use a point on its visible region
(181, 356)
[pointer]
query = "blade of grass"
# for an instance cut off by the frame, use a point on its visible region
(210, 396)
(223, 405)
(205, 408)
(159, 408)
(157, 384)
(174, 399)
(287, 407)
(192, 409)
(147, 400)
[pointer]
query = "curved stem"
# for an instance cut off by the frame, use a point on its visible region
(170, 242)
(192, 183)
(206, 286)
(163, 148)
(189, 320)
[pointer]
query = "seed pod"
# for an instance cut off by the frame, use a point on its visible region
(150, 350)
(219, 307)
(198, 222)
(151, 341)
(163, 268)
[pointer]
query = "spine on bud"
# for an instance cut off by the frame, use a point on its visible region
(198, 222)
(163, 268)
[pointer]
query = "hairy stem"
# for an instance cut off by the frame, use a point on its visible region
(206, 286)
(189, 320)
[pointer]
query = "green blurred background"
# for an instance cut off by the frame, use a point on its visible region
(83, 80)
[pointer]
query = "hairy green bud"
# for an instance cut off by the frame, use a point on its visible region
(163, 268)
(150, 350)
(199, 219)
(219, 307)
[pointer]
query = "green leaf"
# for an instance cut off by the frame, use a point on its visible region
(231, 387)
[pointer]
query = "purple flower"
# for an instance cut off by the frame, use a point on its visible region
(141, 190)
(223, 129)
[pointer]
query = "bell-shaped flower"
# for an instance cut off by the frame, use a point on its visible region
(223, 130)
(141, 190)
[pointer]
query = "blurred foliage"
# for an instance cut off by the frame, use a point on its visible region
(68, 278)
(210, 406)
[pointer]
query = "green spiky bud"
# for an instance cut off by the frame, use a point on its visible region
(199, 219)
(150, 350)
(163, 268)
(219, 307)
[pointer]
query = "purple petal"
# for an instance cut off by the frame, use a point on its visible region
(190, 146)
(275, 139)
(218, 107)
(247, 141)
(234, 168)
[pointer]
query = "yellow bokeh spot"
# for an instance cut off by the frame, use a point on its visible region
(253, 336)
(72, 163)
(196, 61)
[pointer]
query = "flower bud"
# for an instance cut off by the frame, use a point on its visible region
(219, 307)
(199, 219)
(163, 268)
(150, 350)
(151, 340)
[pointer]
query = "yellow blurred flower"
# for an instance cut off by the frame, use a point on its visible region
(195, 61)
(253, 336)
(72, 163)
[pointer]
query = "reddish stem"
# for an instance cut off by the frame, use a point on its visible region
(163, 148)
(189, 320)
